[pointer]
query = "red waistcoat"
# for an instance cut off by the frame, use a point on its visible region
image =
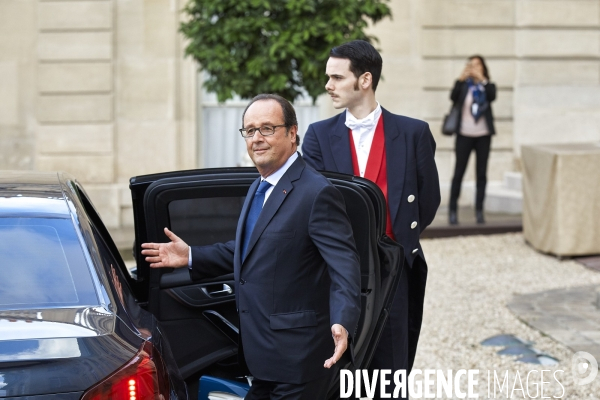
(376, 168)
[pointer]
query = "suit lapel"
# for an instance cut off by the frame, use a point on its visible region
(340, 146)
(283, 189)
(240, 226)
(395, 148)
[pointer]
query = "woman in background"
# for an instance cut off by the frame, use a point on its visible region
(473, 93)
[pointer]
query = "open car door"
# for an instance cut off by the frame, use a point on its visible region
(202, 207)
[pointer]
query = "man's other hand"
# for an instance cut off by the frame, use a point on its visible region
(174, 254)
(340, 339)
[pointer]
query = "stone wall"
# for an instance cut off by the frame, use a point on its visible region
(17, 87)
(543, 56)
(75, 96)
(97, 88)
(100, 88)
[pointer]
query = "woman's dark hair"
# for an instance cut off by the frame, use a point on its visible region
(485, 69)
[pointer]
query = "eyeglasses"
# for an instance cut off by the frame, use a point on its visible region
(263, 130)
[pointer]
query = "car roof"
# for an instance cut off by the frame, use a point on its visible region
(31, 193)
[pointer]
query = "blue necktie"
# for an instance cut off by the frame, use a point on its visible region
(253, 213)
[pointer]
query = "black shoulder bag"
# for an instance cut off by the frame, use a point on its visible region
(451, 120)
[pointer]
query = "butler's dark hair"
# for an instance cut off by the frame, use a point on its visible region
(363, 58)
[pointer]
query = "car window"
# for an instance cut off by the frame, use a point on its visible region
(113, 266)
(204, 221)
(43, 265)
(101, 233)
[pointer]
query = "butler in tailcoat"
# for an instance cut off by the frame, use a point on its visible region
(395, 152)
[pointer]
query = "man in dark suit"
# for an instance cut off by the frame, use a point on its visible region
(395, 152)
(294, 261)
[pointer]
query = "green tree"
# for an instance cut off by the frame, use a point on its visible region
(273, 46)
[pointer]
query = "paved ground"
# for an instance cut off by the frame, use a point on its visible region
(482, 286)
(570, 316)
(471, 281)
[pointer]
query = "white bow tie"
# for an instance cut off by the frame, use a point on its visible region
(367, 123)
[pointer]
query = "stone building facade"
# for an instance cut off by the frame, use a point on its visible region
(97, 88)
(100, 88)
(544, 56)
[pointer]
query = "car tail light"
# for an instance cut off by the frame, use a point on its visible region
(144, 377)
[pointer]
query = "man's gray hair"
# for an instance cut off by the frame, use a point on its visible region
(289, 114)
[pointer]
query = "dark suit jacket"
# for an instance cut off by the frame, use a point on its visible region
(411, 170)
(459, 94)
(300, 276)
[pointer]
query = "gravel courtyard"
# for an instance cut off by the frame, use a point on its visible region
(470, 281)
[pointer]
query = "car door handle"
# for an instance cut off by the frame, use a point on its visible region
(224, 290)
(204, 294)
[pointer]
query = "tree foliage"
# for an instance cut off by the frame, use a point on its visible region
(273, 46)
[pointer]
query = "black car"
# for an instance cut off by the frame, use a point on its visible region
(75, 323)
(70, 327)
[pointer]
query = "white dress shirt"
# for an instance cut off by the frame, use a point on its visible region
(363, 132)
(273, 179)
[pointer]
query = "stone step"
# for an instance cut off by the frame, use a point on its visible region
(504, 200)
(513, 181)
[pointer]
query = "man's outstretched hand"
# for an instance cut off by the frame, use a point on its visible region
(340, 339)
(161, 255)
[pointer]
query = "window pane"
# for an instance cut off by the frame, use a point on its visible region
(205, 221)
(42, 265)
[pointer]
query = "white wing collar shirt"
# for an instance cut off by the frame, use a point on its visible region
(363, 131)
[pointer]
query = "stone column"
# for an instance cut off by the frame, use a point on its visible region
(17, 91)
(75, 96)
